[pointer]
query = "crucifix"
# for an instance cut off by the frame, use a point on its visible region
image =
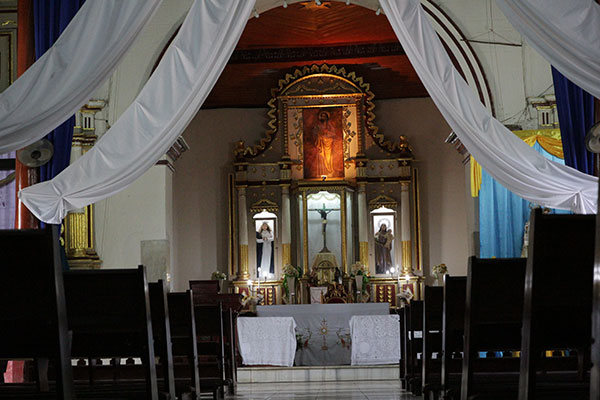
(324, 211)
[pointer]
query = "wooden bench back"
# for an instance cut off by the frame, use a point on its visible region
(558, 292)
(161, 332)
(453, 322)
(494, 303)
(33, 320)
(183, 334)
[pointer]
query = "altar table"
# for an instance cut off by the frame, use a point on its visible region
(267, 341)
(323, 330)
(375, 339)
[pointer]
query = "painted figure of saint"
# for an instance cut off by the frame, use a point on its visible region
(383, 249)
(324, 134)
(265, 265)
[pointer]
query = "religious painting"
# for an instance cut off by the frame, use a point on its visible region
(323, 143)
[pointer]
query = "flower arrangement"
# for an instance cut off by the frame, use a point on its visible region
(440, 269)
(405, 295)
(290, 270)
(255, 299)
(218, 276)
(359, 269)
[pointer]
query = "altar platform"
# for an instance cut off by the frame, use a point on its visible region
(317, 373)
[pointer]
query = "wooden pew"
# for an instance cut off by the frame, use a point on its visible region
(558, 300)
(433, 302)
(161, 331)
(595, 350)
(414, 328)
(109, 316)
(183, 338)
(206, 293)
(211, 348)
(493, 317)
(453, 329)
(33, 320)
(402, 312)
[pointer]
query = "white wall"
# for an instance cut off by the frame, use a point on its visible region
(143, 211)
(513, 73)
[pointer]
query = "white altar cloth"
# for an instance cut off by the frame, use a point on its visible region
(267, 341)
(323, 330)
(375, 339)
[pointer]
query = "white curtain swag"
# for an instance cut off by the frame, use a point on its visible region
(504, 156)
(69, 73)
(160, 113)
(564, 32)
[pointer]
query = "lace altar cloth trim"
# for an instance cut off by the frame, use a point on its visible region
(267, 341)
(375, 339)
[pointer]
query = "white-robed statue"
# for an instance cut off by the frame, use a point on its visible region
(265, 266)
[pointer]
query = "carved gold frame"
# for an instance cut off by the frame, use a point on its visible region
(363, 100)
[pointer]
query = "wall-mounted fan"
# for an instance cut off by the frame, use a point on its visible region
(36, 154)
(592, 139)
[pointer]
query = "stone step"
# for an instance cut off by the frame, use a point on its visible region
(317, 373)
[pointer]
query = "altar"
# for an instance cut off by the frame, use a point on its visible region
(323, 330)
(325, 192)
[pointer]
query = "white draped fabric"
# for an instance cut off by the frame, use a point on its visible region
(564, 32)
(68, 74)
(504, 156)
(267, 341)
(163, 109)
(375, 339)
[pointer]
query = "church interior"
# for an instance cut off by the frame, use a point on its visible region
(299, 199)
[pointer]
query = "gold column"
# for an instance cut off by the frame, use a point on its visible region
(79, 224)
(406, 257)
(305, 232)
(287, 253)
(243, 239)
(345, 266)
(364, 253)
(244, 262)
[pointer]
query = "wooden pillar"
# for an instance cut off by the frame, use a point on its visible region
(25, 57)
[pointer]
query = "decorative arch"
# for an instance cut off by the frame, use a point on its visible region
(348, 83)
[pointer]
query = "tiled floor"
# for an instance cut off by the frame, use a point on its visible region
(363, 390)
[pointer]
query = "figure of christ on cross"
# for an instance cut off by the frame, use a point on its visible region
(324, 211)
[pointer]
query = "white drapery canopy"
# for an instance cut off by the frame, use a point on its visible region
(69, 73)
(504, 156)
(565, 32)
(163, 109)
(195, 60)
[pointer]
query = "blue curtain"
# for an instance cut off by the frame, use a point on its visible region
(576, 116)
(51, 17)
(502, 216)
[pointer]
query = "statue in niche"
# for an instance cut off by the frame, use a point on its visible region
(265, 266)
(383, 249)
